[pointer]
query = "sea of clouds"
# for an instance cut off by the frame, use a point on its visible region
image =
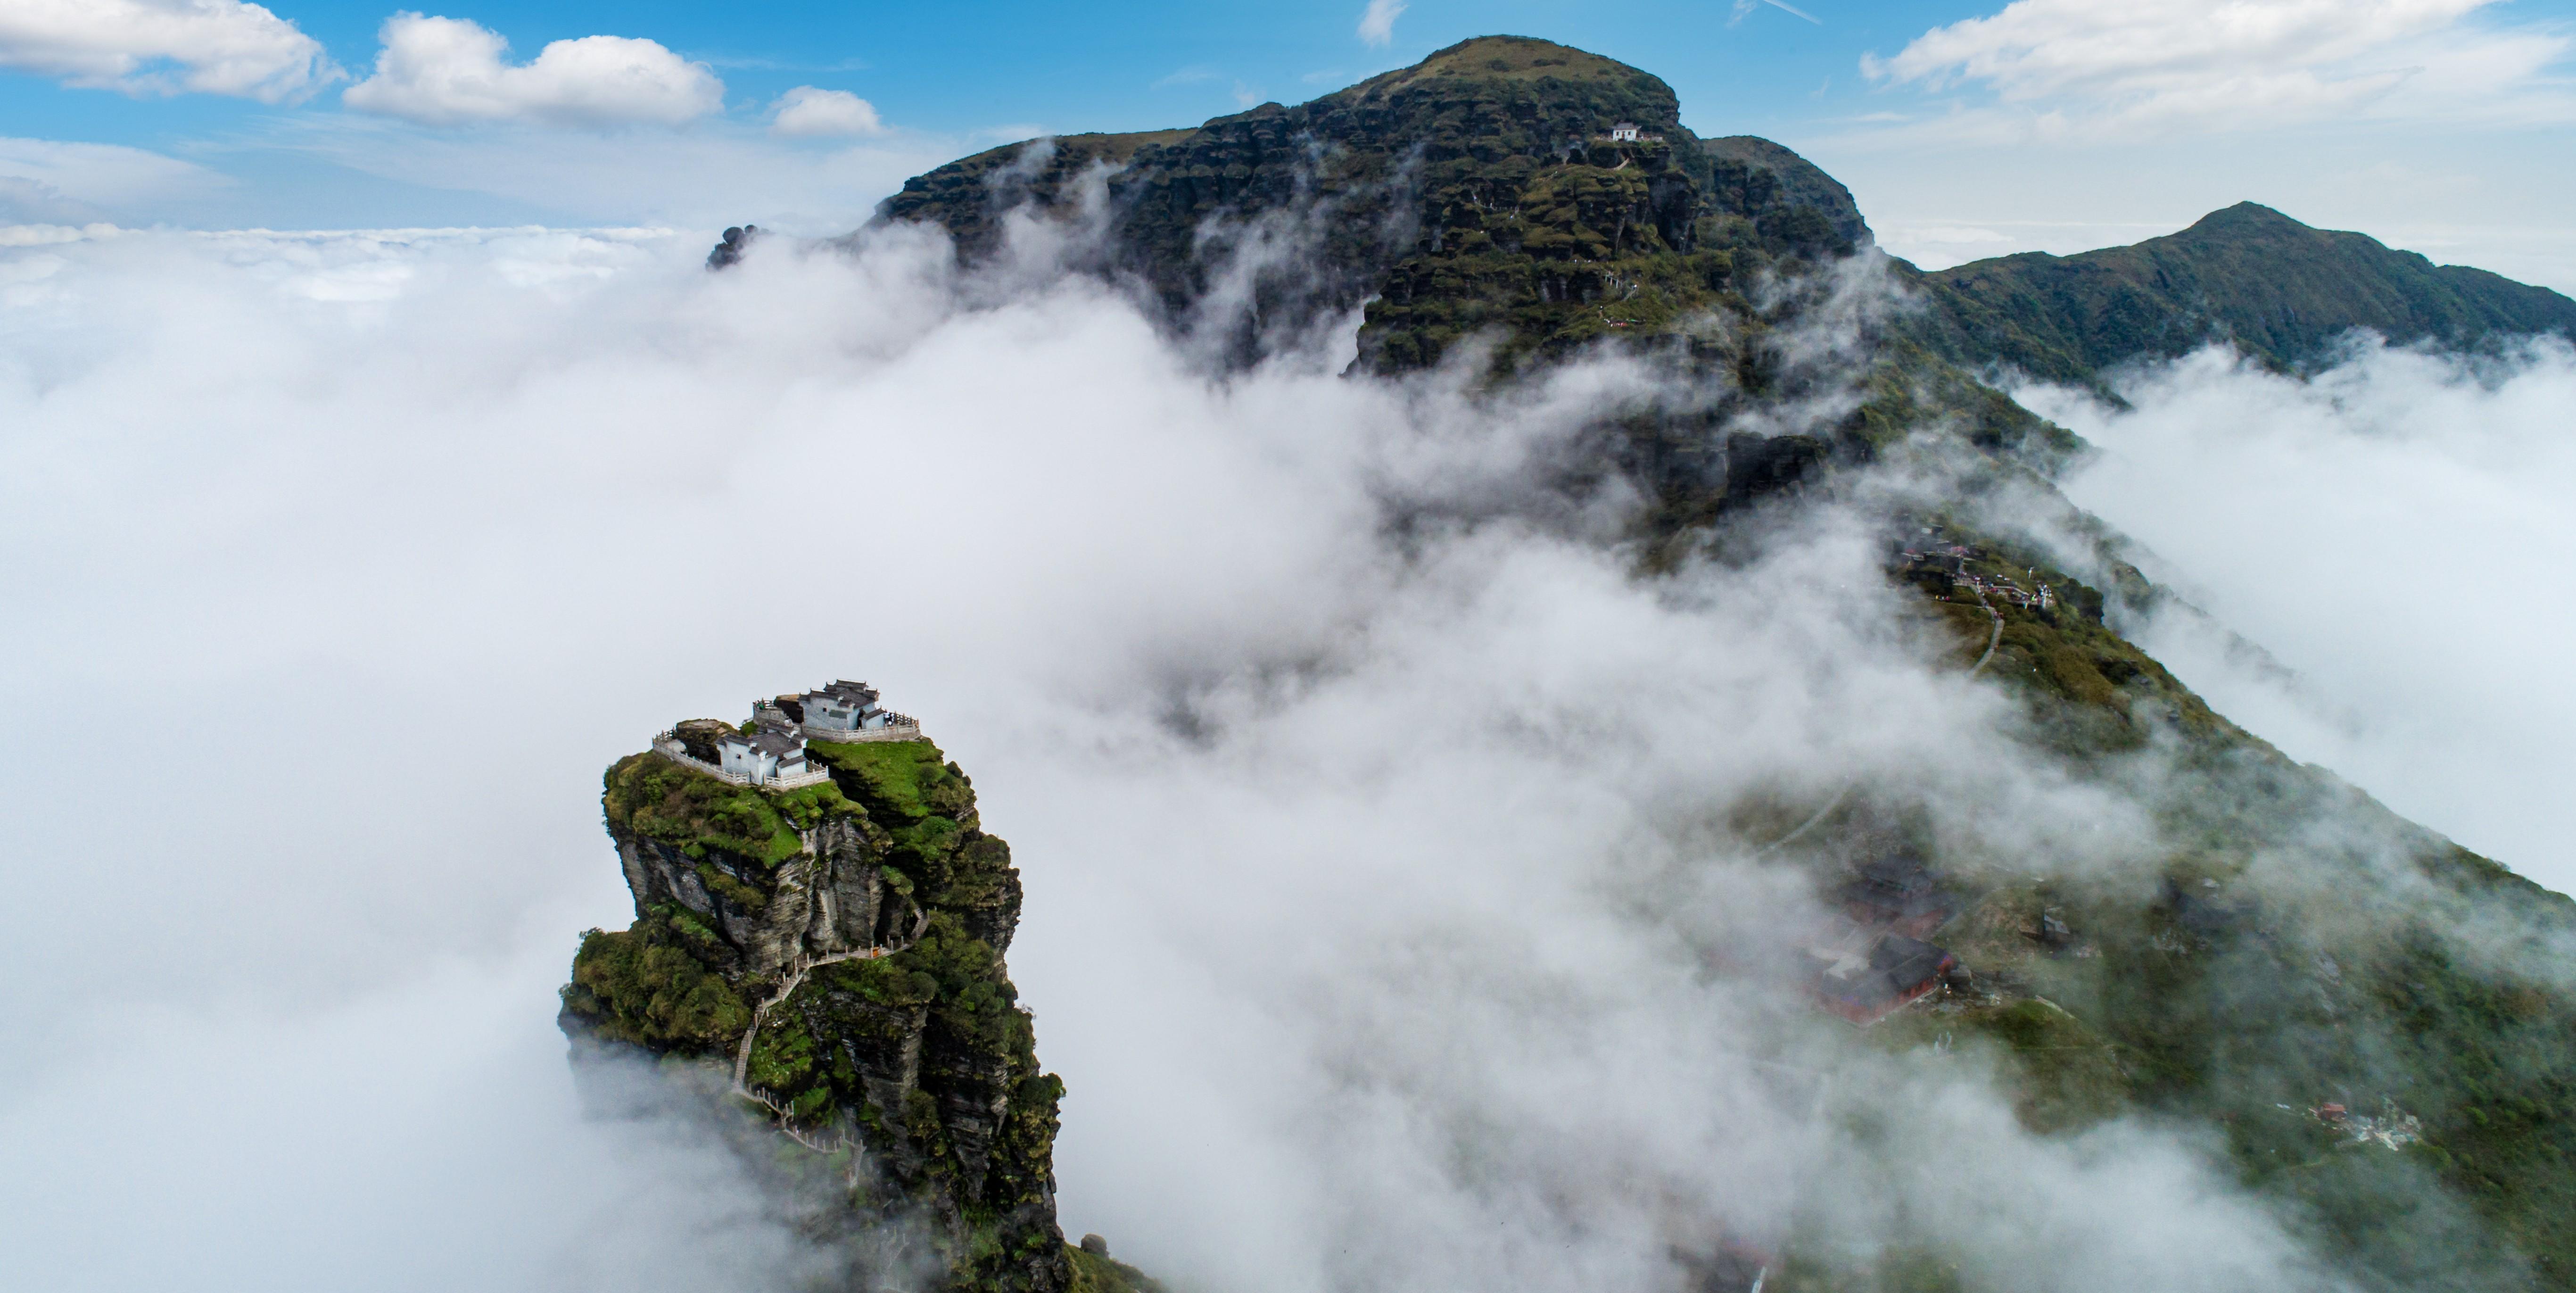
(2398, 534)
(1385, 915)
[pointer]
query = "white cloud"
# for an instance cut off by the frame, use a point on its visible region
(806, 112)
(721, 172)
(1377, 22)
(1371, 874)
(164, 47)
(1744, 9)
(448, 71)
(28, 201)
(2062, 69)
(51, 181)
(1942, 243)
(2400, 532)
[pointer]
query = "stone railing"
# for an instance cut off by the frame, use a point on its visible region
(906, 729)
(668, 746)
(813, 775)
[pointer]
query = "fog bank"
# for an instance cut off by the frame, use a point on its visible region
(1384, 913)
(2400, 533)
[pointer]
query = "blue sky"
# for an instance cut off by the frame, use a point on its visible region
(1966, 128)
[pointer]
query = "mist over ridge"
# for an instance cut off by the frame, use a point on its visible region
(1399, 792)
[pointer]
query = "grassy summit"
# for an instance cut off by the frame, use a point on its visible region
(1504, 58)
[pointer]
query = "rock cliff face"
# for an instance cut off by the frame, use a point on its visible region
(1478, 191)
(833, 957)
(1479, 198)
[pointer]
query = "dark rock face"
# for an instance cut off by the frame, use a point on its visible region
(1478, 199)
(699, 736)
(1477, 192)
(856, 932)
(1756, 465)
(1754, 175)
(736, 242)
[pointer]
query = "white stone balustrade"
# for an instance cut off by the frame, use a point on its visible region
(668, 746)
(907, 730)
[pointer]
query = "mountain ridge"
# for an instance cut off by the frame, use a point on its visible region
(2281, 291)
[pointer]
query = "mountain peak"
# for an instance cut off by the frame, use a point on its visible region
(1520, 64)
(2246, 217)
(2283, 292)
(1520, 58)
(1488, 190)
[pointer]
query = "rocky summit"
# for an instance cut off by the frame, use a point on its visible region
(2290, 983)
(1543, 199)
(1486, 191)
(821, 942)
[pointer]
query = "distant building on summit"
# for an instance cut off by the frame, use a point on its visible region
(847, 711)
(769, 751)
(845, 706)
(766, 758)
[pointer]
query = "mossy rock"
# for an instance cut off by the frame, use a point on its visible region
(897, 781)
(659, 799)
(648, 985)
(1102, 1273)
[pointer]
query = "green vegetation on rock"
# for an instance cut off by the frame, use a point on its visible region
(900, 1056)
(1101, 1273)
(661, 800)
(647, 985)
(905, 778)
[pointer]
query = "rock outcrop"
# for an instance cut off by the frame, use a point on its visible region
(832, 957)
(735, 244)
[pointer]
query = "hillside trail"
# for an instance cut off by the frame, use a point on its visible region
(1994, 639)
(801, 966)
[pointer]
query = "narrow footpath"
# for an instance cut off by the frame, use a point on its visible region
(801, 966)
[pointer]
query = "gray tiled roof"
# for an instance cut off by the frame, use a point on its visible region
(856, 694)
(771, 743)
